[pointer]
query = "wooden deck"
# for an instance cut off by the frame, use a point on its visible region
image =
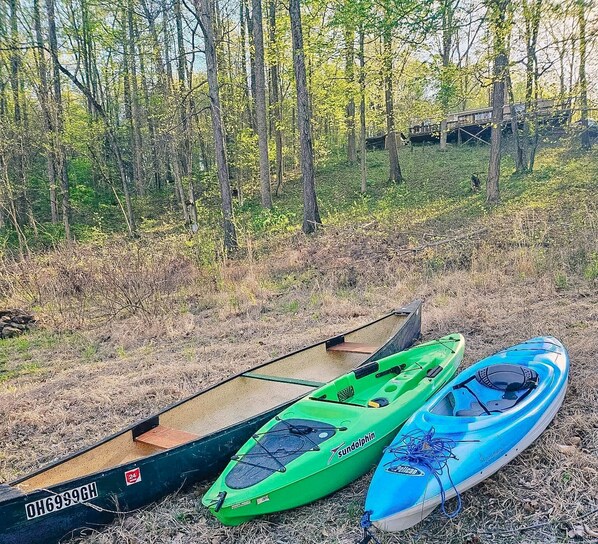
(474, 125)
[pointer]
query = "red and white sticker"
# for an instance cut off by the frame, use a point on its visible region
(133, 476)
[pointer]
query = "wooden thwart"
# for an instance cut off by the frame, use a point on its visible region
(165, 437)
(283, 379)
(354, 347)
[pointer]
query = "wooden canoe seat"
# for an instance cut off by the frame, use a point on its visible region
(165, 437)
(354, 347)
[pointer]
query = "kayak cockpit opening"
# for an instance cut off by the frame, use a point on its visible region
(378, 384)
(491, 390)
(274, 449)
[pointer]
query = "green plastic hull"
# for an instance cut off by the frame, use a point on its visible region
(329, 439)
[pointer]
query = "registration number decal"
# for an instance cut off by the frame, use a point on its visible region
(60, 501)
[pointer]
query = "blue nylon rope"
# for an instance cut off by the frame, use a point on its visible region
(366, 525)
(422, 449)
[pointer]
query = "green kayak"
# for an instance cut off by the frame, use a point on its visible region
(325, 441)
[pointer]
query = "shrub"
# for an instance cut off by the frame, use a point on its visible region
(74, 285)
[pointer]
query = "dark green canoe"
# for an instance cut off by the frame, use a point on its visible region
(187, 442)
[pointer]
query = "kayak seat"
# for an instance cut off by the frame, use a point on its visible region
(507, 378)
(510, 379)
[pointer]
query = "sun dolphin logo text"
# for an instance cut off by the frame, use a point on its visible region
(360, 442)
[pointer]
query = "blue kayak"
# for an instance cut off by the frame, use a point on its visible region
(473, 426)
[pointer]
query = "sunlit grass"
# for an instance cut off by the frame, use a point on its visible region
(435, 183)
(437, 190)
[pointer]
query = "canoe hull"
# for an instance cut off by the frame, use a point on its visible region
(46, 516)
(185, 466)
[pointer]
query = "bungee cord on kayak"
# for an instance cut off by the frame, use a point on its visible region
(297, 430)
(423, 449)
(444, 345)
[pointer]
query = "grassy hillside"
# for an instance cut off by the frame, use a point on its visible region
(127, 327)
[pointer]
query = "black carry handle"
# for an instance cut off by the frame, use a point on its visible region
(366, 370)
(221, 497)
(433, 372)
(394, 370)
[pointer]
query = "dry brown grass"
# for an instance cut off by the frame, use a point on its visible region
(497, 290)
(83, 285)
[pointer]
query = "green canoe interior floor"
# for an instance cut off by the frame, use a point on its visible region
(526, 268)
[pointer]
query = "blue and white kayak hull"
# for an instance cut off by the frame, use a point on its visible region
(404, 490)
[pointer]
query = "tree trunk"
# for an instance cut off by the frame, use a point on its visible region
(44, 100)
(532, 11)
(260, 103)
(156, 171)
(499, 29)
(178, 181)
(204, 14)
(138, 169)
(583, 82)
(520, 163)
(448, 31)
(251, 62)
(18, 189)
(498, 99)
(350, 108)
(87, 52)
(246, 94)
(311, 214)
(61, 167)
(185, 154)
(276, 105)
(362, 119)
(132, 170)
(165, 8)
(395, 175)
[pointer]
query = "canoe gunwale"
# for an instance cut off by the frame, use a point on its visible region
(412, 311)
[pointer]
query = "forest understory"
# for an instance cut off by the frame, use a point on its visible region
(127, 327)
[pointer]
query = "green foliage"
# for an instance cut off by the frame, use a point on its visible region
(561, 281)
(291, 307)
(274, 221)
(591, 270)
(20, 355)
